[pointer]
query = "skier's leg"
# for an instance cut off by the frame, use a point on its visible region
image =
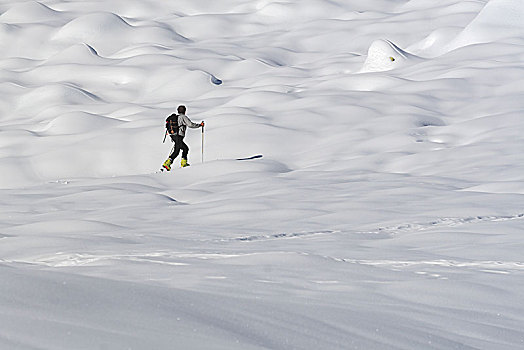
(178, 143)
(185, 151)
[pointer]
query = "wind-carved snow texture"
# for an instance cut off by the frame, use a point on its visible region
(362, 187)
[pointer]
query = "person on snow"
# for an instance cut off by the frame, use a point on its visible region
(176, 128)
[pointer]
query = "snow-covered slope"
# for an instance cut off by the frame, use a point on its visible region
(363, 183)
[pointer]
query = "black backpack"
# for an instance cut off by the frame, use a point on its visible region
(172, 124)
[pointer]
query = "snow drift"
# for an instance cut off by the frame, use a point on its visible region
(356, 192)
(383, 55)
(499, 19)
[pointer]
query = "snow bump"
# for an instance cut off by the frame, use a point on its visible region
(383, 55)
(79, 122)
(29, 12)
(498, 19)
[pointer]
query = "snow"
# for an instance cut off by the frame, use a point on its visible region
(362, 184)
(383, 55)
(498, 19)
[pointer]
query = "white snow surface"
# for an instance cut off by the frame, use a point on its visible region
(384, 209)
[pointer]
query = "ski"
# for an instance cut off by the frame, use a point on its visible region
(251, 158)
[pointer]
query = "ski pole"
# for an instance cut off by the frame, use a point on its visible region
(165, 135)
(202, 142)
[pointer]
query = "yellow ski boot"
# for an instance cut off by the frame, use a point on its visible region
(184, 163)
(167, 164)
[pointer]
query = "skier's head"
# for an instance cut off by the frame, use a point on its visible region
(181, 109)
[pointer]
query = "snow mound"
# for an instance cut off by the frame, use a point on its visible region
(28, 12)
(102, 30)
(498, 19)
(108, 33)
(52, 95)
(78, 53)
(290, 11)
(436, 42)
(79, 122)
(383, 55)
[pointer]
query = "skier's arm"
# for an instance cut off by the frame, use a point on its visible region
(189, 123)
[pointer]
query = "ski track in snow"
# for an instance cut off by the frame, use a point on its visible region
(385, 212)
(182, 259)
(282, 235)
(389, 230)
(441, 222)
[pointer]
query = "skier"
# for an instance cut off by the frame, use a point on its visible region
(176, 127)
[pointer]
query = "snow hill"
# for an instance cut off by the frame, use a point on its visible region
(362, 183)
